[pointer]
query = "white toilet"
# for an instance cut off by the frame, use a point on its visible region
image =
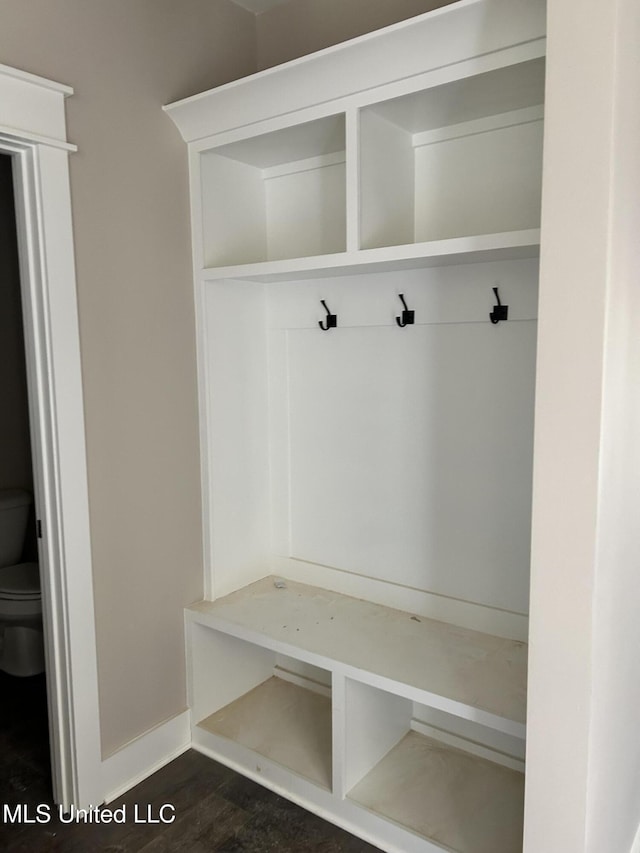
(21, 638)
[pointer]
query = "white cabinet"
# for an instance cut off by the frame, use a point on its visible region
(367, 488)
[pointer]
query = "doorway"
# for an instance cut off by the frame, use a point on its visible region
(25, 760)
(33, 135)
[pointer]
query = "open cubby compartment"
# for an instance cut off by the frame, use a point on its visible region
(275, 196)
(450, 781)
(460, 159)
(260, 710)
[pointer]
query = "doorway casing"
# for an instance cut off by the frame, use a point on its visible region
(33, 133)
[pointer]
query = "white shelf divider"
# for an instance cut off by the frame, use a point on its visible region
(505, 245)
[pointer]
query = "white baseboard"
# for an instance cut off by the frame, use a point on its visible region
(141, 757)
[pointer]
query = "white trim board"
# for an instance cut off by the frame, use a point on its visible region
(146, 754)
(34, 80)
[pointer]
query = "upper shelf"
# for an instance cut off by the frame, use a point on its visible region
(507, 245)
(450, 173)
(464, 672)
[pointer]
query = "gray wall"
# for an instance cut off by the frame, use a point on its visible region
(131, 219)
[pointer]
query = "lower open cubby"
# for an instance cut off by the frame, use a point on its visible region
(454, 784)
(283, 722)
(261, 705)
(279, 693)
(451, 797)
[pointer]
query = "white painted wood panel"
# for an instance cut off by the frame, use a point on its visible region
(453, 296)
(237, 425)
(411, 454)
(375, 722)
(234, 229)
(306, 212)
(481, 183)
(387, 188)
(352, 180)
(223, 668)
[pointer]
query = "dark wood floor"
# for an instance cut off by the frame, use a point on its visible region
(215, 808)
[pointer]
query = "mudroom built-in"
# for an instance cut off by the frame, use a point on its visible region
(366, 255)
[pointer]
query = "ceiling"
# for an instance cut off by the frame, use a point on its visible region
(258, 6)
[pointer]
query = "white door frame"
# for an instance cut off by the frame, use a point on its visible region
(32, 131)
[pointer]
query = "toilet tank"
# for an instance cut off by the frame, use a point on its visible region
(14, 512)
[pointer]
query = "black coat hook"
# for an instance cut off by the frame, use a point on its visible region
(500, 311)
(332, 319)
(408, 317)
